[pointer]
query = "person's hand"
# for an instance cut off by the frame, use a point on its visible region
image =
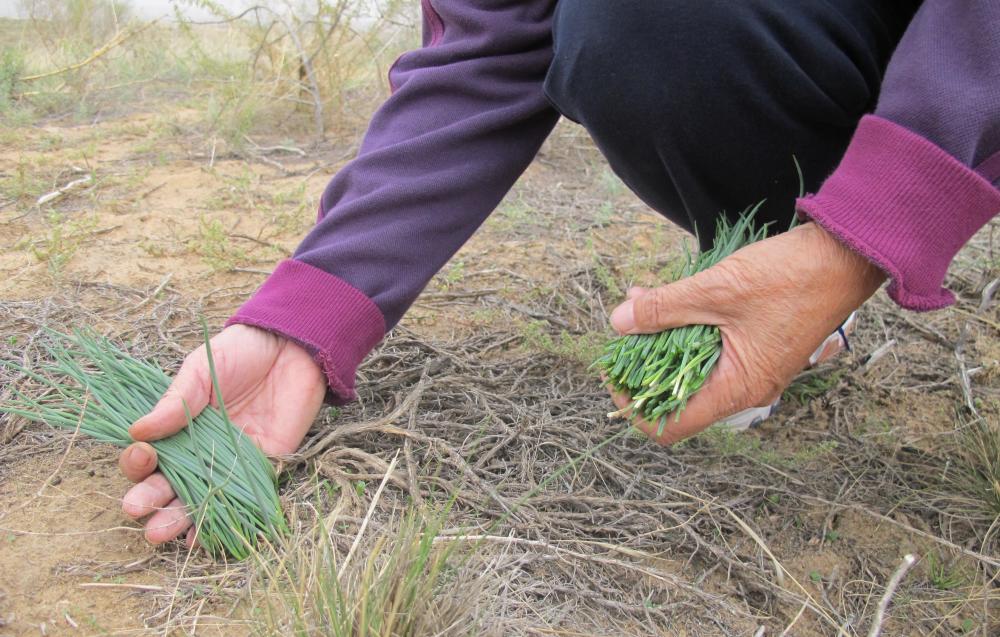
(272, 389)
(774, 302)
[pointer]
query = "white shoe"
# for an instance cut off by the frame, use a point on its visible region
(833, 345)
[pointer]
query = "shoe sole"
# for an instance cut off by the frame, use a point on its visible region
(833, 345)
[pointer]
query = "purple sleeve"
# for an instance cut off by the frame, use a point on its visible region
(466, 116)
(919, 177)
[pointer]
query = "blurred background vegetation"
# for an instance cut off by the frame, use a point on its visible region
(276, 67)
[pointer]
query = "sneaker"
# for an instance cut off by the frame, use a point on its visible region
(833, 345)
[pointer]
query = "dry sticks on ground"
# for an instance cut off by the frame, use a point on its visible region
(492, 420)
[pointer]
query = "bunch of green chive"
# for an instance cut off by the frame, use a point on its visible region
(227, 484)
(661, 371)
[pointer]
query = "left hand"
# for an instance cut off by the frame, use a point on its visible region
(774, 302)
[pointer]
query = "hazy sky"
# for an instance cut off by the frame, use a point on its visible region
(153, 8)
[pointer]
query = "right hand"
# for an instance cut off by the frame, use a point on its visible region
(774, 301)
(273, 390)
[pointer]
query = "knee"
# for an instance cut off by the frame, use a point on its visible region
(617, 62)
(656, 61)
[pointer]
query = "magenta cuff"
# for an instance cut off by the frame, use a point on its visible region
(906, 205)
(332, 319)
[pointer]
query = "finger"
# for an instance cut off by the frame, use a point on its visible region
(192, 385)
(167, 523)
(620, 400)
(191, 539)
(149, 496)
(624, 404)
(673, 430)
(685, 302)
(623, 401)
(137, 461)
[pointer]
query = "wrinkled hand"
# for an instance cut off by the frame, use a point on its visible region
(774, 302)
(272, 388)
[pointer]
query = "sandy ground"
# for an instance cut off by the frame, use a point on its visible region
(166, 214)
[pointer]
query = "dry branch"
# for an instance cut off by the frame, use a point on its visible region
(116, 40)
(71, 186)
(890, 590)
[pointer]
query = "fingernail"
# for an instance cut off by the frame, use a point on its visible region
(135, 457)
(129, 507)
(141, 457)
(134, 503)
(136, 428)
(133, 506)
(623, 318)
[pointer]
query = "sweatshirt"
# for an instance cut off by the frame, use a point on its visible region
(467, 114)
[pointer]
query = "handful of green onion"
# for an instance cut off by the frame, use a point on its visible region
(227, 484)
(662, 371)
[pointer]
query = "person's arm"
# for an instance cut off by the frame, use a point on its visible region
(915, 184)
(466, 116)
(920, 176)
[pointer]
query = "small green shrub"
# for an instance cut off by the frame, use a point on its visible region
(11, 68)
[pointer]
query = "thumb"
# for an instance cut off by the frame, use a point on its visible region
(684, 302)
(635, 291)
(191, 387)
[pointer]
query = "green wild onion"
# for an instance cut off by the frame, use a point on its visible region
(661, 371)
(226, 483)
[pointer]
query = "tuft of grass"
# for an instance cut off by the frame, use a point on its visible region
(291, 211)
(407, 584)
(227, 484)
(662, 371)
(604, 215)
(215, 246)
(582, 348)
(453, 275)
(514, 215)
(26, 182)
(11, 68)
(941, 576)
(726, 443)
(979, 455)
(612, 183)
(235, 108)
(602, 272)
(62, 241)
(810, 386)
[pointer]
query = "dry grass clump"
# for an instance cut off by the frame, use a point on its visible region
(319, 67)
(399, 582)
(966, 489)
(980, 449)
(631, 540)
